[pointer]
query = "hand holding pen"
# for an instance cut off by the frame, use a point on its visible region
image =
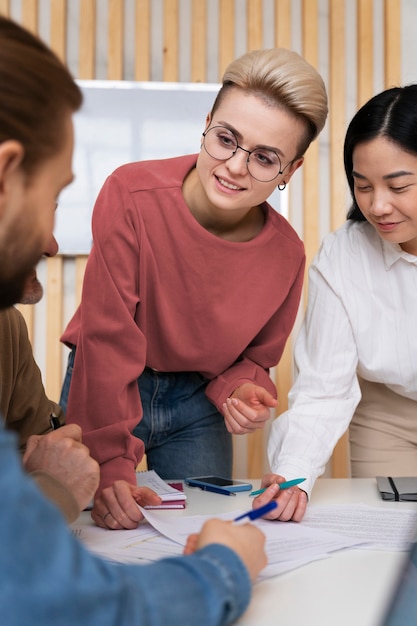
(244, 538)
(292, 501)
(61, 454)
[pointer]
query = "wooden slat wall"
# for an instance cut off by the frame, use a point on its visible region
(284, 370)
(337, 123)
(227, 33)
(215, 30)
(198, 41)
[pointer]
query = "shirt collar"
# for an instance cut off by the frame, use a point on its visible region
(393, 252)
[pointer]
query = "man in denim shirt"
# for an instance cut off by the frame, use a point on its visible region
(47, 576)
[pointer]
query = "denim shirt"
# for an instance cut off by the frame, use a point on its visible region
(49, 578)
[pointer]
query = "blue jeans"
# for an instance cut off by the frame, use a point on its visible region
(183, 433)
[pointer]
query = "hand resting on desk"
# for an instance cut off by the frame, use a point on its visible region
(247, 541)
(116, 507)
(292, 502)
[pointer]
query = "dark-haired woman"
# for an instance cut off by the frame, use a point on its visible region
(357, 351)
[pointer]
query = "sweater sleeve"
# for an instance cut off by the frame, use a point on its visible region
(265, 350)
(111, 348)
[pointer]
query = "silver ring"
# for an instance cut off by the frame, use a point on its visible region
(108, 513)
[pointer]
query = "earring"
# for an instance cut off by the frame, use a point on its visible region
(282, 186)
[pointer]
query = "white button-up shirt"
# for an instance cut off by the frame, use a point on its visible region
(361, 319)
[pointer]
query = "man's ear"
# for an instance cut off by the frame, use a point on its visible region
(11, 156)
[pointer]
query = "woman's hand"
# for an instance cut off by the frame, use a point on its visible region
(292, 502)
(248, 409)
(117, 506)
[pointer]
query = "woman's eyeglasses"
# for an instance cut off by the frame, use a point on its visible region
(221, 144)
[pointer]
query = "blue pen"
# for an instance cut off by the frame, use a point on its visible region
(285, 485)
(255, 513)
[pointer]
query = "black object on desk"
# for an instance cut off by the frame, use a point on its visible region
(398, 488)
(223, 492)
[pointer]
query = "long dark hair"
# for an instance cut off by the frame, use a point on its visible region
(391, 114)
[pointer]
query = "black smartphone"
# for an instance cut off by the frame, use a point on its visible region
(218, 481)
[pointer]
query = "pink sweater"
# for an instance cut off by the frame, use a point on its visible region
(160, 290)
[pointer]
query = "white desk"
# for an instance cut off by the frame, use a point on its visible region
(350, 588)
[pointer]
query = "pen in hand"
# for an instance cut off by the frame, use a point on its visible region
(54, 422)
(285, 485)
(255, 513)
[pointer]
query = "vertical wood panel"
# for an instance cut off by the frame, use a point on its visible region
(54, 321)
(284, 369)
(226, 34)
(254, 24)
(5, 7)
(365, 65)
(142, 40)
(254, 29)
(58, 28)
(282, 23)
(115, 34)
(392, 32)
(337, 113)
(87, 39)
(337, 122)
(30, 15)
(311, 216)
(255, 453)
(171, 30)
(198, 41)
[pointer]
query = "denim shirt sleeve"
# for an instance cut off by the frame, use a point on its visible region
(49, 578)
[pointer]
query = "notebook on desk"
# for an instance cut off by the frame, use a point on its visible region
(402, 609)
(172, 493)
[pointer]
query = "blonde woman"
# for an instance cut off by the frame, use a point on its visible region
(192, 287)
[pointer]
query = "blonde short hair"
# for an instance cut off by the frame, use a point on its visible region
(284, 79)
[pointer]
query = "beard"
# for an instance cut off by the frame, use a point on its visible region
(32, 291)
(11, 289)
(18, 257)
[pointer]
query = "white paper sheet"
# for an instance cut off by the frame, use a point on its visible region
(289, 545)
(379, 528)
